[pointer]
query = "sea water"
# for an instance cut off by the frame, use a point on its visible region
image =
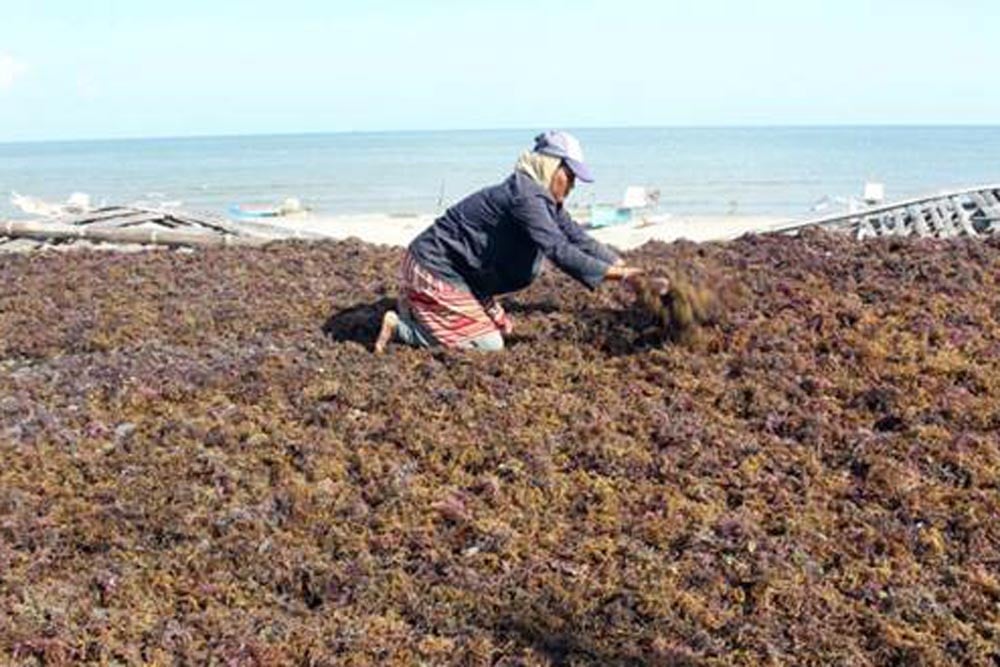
(779, 171)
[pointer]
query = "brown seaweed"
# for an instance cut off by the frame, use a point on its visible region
(196, 472)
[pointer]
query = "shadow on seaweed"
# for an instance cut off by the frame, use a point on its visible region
(515, 339)
(539, 308)
(562, 638)
(358, 323)
(613, 331)
(620, 333)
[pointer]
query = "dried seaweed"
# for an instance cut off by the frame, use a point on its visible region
(678, 307)
(204, 464)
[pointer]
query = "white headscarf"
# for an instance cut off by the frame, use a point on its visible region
(540, 167)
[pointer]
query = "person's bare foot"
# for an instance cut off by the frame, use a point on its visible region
(389, 323)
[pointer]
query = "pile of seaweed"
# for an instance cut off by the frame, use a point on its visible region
(679, 309)
(202, 462)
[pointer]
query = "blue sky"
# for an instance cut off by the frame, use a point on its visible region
(136, 68)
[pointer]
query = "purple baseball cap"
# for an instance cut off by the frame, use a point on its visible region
(565, 146)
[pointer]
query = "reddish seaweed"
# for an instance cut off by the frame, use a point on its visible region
(203, 463)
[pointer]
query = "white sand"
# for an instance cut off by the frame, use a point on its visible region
(400, 230)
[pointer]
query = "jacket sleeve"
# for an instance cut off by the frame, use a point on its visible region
(532, 213)
(583, 240)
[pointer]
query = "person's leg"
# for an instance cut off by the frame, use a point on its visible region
(397, 326)
(390, 325)
(431, 313)
(488, 342)
(410, 332)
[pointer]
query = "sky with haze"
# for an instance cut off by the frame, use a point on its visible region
(134, 68)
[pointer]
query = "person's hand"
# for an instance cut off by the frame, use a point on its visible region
(622, 272)
(499, 316)
(632, 276)
(628, 275)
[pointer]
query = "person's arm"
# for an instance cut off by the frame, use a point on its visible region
(532, 213)
(584, 241)
(619, 272)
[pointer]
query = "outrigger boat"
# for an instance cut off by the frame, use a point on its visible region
(967, 212)
(637, 205)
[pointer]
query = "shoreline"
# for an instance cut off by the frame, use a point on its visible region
(388, 229)
(399, 230)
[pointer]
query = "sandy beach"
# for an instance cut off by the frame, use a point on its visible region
(399, 230)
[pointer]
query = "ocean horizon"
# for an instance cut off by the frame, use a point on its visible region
(787, 171)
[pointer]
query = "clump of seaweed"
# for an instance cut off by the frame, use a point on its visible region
(678, 306)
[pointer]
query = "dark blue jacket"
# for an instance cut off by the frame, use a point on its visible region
(492, 242)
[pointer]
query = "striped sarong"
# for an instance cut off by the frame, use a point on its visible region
(450, 315)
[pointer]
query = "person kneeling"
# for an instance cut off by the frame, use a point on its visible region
(491, 243)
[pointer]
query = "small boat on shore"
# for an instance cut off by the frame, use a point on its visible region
(290, 206)
(965, 212)
(637, 205)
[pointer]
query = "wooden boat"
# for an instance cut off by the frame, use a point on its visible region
(966, 212)
(137, 227)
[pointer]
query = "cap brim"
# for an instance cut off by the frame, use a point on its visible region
(580, 170)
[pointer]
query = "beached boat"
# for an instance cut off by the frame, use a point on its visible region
(638, 202)
(135, 227)
(290, 206)
(966, 212)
